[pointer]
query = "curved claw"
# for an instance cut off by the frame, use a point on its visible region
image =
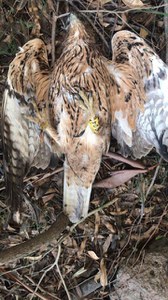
(86, 103)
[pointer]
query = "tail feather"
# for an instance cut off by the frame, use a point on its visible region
(76, 197)
(163, 145)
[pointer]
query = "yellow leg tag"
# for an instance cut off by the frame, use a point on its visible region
(94, 124)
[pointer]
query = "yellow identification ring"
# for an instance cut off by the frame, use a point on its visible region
(94, 124)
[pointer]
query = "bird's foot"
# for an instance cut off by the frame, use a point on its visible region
(86, 103)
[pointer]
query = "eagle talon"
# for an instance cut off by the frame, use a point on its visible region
(86, 103)
(94, 124)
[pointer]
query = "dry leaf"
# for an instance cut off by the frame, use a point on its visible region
(107, 243)
(128, 161)
(118, 178)
(97, 223)
(143, 33)
(103, 276)
(97, 3)
(133, 3)
(82, 247)
(8, 39)
(93, 255)
(97, 276)
(103, 2)
(47, 198)
(34, 258)
(21, 5)
(109, 226)
(123, 20)
(79, 272)
(100, 17)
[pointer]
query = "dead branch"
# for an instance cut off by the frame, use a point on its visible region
(32, 245)
(12, 276)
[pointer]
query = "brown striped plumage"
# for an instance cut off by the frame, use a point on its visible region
(140, 105)
(73, 108)
(80, 92)
(23, 143)
(74, 99)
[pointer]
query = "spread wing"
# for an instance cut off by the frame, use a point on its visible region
(139, 103)
(24, 145)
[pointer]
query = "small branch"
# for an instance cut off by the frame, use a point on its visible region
(13, 277)
(154, 178)
(32, 245)
(91, 23)
(146, 235)
(54, 21)
(59, 272)
(93, 212)
(45, 238)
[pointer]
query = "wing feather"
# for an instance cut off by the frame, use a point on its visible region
(24, 145)
(142, 81)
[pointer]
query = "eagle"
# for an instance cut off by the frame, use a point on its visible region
(48, 112)
(73, 109)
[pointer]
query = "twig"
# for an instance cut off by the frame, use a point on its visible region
(54, 22)
(41, 279)
(14, 278)
(146, 235)
(83, 13)
(32, 245)
(93, 212)
(154, 177)
(45, 238)
(123, 11)
(42, 176)
(152, 234)
(49, 269)
(59, 272)
(40, 288)
(166, 27)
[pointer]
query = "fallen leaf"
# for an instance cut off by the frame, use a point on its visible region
(123, 21)
(21, 5)
(97, 223)
(103, 2)
(34, 258)
(98, 3)
(109, 226)
(107, 243)
(133, 3)
(47, 198)
(131, 162)
(103, 275)
(118, 178)
(82, 247)
(97, 276)
(93, 255)
(79, 272)
(143, 33)
(100, 17)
